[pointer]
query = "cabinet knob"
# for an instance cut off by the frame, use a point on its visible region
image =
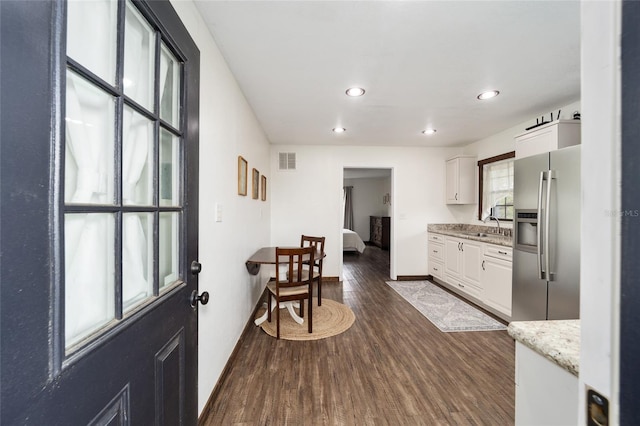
(483, 265)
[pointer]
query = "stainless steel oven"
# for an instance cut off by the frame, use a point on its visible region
(526, 230)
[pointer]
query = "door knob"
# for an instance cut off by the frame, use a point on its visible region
(203, 298)
(196, 267)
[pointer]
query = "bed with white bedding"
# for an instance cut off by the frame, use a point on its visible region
(351, 241)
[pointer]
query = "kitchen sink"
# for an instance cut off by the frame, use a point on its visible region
(476, 234)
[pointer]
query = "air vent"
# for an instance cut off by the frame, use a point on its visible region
(287, 161)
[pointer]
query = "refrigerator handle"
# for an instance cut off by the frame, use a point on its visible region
(547, 219)
(541, 274)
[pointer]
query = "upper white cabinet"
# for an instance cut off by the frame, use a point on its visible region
(461, 180)
(549, 137)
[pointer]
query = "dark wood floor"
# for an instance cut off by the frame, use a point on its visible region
(392, 367)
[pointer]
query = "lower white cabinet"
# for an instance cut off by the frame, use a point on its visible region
(471, 262)
(436, 255)
(452, 257)
(472, 268)
(497, 278)
(546, 394)
(463, 286)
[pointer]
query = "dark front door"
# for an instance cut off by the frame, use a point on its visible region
(630, 216)
(98, 204)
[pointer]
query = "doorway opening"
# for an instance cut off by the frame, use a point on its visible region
(367, 212)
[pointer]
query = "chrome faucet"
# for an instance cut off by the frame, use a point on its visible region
(489, 217)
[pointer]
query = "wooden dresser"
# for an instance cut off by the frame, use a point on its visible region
(380, 231)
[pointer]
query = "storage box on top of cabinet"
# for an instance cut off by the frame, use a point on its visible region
(549, 137)
(461, 180)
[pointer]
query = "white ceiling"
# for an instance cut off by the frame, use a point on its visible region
(422, 64)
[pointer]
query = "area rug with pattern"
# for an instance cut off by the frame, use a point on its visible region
(330, 319)
(446, 311)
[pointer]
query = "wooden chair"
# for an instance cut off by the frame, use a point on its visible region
(293, 282)
(318, 244)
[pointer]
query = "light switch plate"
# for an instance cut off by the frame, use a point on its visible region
(218, 212)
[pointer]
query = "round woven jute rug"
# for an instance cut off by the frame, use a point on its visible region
(330, 319)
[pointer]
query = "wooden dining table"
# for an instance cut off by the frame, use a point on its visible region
(267, 256)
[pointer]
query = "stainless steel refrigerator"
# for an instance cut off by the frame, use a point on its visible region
(546, 255)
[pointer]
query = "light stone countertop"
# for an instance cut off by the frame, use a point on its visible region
(461, 230)
(558, 341)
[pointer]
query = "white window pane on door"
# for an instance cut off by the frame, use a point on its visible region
(137, 159)
(91, 36)
(89, 274)
(169, 87)
(169, 248)
(89, 143)
(139, 54)
(169, 169)
(137, 259)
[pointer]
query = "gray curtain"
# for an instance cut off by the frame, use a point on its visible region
(348, 207)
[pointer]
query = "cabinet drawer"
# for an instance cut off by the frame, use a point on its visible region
(436, 269)
(463, 286)
(436, 238)
(499, 252)
(436, 251)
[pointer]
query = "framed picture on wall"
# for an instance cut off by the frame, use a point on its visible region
(255, 184)
(263, 188)
(242, 176)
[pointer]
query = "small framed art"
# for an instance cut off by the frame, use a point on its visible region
(255, 184)
(242, 176)
(263, 188)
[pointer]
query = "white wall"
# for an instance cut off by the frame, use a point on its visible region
(367, 201)
(228, 128)
(497, 144)
(417, 181)
(600, 248)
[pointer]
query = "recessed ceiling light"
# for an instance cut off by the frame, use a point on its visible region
(429, 131)
(355, 91)
(339, 130)
(488, 95)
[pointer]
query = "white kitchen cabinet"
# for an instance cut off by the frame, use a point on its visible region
(496, 278)
(549, 137)
(436, 255)
(471, 262)
(464, 287)
(452, 257)
(461, 180)
(478, 271)
(462, 262)
(546, 394)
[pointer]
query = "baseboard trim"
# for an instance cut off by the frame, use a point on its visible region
(412, 277)
(330, 279)
(206, 411)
